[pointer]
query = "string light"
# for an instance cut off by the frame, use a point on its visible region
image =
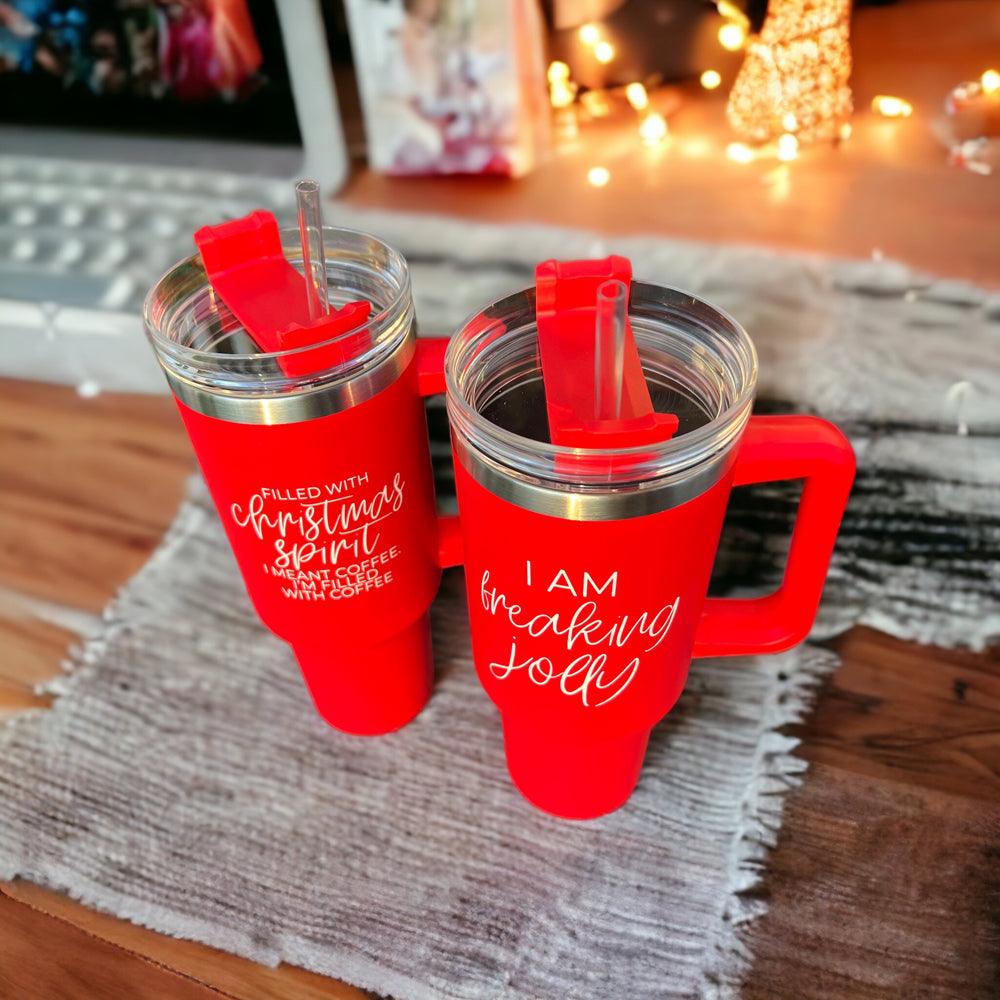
(604, 52)
(793, 86)
(562, 94)
(732, 36)
(799, 64)
(557, 72)
(595, 103)
(637, 96)
(653, 129)
(565, 126)
(990, 81)
(733, 13)
(740, 152)
(598, 177)
(562, 90)
(779, 182)
(891, 107)
(788, 147)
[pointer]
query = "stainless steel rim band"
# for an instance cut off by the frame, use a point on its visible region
(607, 505)
(599, 505)
(292, 407)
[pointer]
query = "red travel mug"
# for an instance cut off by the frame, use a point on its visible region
(321, 475)
(587, 570)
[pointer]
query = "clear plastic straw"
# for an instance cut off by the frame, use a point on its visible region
(313, 256)
(609, 350)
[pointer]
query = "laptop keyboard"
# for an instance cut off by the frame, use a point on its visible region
(95, 236)
(80, 245)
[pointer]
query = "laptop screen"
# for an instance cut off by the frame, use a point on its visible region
(194, 68)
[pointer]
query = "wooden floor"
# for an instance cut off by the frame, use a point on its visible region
(886, 878)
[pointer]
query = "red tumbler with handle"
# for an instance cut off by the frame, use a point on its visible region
(305, 413)
(588, 562)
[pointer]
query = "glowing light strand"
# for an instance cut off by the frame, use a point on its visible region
(798, 65)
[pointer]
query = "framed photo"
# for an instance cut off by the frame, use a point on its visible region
(451, 86)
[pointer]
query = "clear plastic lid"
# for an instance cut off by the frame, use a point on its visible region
(699, 364)
(198, 340)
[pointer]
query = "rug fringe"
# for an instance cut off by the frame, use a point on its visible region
(798, 676)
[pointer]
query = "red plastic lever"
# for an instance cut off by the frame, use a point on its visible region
(566, 313)
(267, 295)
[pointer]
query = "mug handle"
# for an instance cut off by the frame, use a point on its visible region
(774, 448)
(431, 382)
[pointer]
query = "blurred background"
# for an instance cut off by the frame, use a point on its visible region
(853, 130)
(826, 127)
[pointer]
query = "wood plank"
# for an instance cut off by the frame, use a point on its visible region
(88, 487)
(885, 880)
(229, 974)
(35, 636)
(16, 698)
(919, 716)
(44, 957)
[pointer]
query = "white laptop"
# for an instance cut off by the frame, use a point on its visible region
(123, 128)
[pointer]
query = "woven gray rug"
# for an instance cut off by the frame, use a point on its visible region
(183, 780)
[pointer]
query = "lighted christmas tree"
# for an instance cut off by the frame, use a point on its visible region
(795, 76)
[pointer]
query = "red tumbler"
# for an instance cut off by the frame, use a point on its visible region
(317, 459)
(588, 568)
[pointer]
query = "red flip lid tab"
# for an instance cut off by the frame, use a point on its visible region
(595, 390)
(269, 297)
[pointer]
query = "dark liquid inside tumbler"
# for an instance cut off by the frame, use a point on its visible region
(520, 408)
